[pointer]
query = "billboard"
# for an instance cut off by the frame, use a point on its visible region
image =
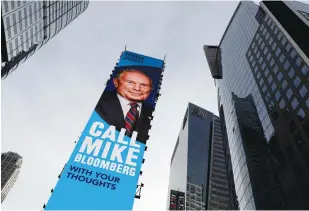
(103, 170)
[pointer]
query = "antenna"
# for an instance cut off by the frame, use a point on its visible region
(125, 47)
(164, 57)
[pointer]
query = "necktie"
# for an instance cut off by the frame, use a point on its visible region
(131, 118)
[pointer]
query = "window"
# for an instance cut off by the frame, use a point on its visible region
(272, 62)
(265, 51)
(288, 47)
(268, 56)
(295, 103)
(283, 41)
(282, 57)
(273, 87)
(280, 76)
(289, 93)
(276, 30)
(263, 65)
(264, 88)
(284, 84)
(278, 51)
(267, 36)
(270, 41)
(298, 61)
(296, 81)
(266, 72)
(261, 81)
(282, 104)
(258, 54)
(274, 46)
(301, 113)
(258, 75)
(270, 79)
(286, 65)
(260, 61)
(263, 45)
(279, 35)
(256, 69)
(293, 53)
(264, 31)
(291, 73)
(277, 95)
(255, 49)
(303, 91)
(276, 68)
(304, 70)
(307, 102)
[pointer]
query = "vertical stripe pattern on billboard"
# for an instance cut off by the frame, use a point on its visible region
(103, 170)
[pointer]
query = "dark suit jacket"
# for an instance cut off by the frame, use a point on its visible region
(110, 110)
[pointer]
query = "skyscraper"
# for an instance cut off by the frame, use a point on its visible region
(10, 166)
(261, 72)
(198, 168)
(27, 25)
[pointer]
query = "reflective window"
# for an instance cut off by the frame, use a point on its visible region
(266, 72)
(263, 65)
(284, 84)
(286, 65)
(267, 36)
(304, 69)
(298, 61)
(278, 51)
(303, 91)
(282, 57)
(276, 68)
(282, 104)
(307, 102)
(270, 41)
(268, 56)
(265, 51)
(288, 47)
(273, 86)
(261, 81)
(295, 103)
(260, 61)
(301, 113)
(296, 81)
(272, 62)
(277, 95)
(291, 73)
(255, 49)
(280, 76)
(264, 31)
(258, 75)
(276, 30)
(264, 88)
(289, 93)
(283, 41)
(279, 35)
(270, 79)
(274, 46)
(293, 53)
(263, 45)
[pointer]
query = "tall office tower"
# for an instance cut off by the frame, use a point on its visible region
(261, 72)
(27, 25)
(10, 166)
(198, 168)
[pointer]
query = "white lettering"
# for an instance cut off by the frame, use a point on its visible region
(93, 130)
(133, 140)
(106, 149)
(132, 172)
(110, 133)
(121, 137)
(116, 154)
(104, 164)
(91, 146)
(96, 162)
(131, 156)
(119, 168)
(113, 167)
(90, 161)
(78, 157)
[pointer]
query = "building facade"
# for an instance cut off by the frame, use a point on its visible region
(27, 25)
(198, 162)
(10, 167)
(261, 72)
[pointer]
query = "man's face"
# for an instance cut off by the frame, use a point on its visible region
(133, 86)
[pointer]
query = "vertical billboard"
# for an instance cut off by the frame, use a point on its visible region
(177, 200)
(103, 170)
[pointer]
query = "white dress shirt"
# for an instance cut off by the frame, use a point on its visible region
(125, 105)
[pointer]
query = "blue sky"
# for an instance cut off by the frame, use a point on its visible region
(47, 101)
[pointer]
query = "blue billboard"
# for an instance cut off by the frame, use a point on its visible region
(103, 170)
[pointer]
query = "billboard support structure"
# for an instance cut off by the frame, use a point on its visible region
(105, 164)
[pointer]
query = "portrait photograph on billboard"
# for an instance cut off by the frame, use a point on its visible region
(106, 162)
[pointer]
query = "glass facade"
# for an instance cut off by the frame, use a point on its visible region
(263, 97)
(29, 24)
(198, 162)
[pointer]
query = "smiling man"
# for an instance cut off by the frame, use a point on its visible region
(125, 107)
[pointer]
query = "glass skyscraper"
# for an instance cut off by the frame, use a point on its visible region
(10, 166)
(261, 72)
(198, 169)
(27, 25)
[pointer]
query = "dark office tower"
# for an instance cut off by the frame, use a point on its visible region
(261, 72)
(27, 25)
(10, 165)
(198, 163)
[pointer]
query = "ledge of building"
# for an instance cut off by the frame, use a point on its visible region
(213, 56)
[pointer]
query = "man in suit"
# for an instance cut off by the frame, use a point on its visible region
(125, 107)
